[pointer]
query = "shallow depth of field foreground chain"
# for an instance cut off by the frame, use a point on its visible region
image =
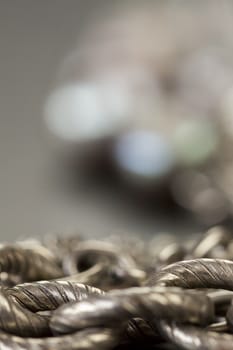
(74, 294)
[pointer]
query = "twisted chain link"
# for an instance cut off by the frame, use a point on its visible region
(73, 294)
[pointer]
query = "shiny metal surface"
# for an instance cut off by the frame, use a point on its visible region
(88, 339)
(193, 338)
(148, 303)
(187, 303)
(198, 273)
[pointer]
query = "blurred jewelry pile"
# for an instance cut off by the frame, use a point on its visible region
(148, 95)
(69, 293)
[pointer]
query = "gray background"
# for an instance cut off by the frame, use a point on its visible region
(35, 36)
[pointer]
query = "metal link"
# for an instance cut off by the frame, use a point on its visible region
(187, 303)
(148, 303)
(27, 264)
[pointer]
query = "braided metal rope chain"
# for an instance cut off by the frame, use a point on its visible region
(74, 294)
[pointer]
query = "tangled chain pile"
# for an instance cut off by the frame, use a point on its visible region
(72, 294)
